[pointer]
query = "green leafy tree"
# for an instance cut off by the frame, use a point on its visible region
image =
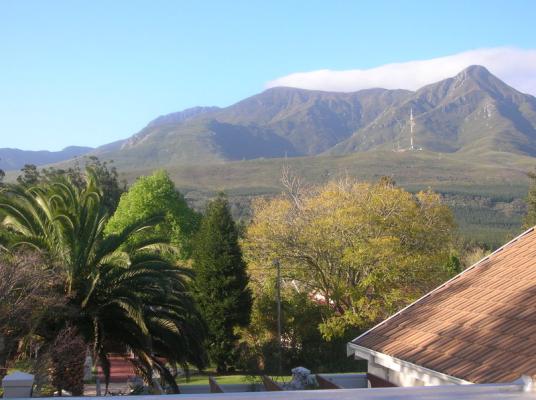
(107, 175)
(302, 342)
(30, 175)
(365, 249)
(157, 194)
(121, 294)
(221, 282)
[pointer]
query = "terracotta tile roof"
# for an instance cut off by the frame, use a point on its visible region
(479, 326)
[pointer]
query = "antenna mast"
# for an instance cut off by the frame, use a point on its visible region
(411, 127)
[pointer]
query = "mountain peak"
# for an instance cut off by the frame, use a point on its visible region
(477, 76)
(475, 71)
(181, 116)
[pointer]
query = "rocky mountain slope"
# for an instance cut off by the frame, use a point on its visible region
(473, 111)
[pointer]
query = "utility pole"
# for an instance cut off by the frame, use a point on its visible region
(277, 265)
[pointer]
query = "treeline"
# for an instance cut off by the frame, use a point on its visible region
(108, 270)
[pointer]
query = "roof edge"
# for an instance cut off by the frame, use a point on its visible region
(449, 378)
(442, 285)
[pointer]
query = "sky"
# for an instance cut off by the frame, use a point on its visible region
(87, 73)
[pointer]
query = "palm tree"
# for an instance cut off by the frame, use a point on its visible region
(127, 294)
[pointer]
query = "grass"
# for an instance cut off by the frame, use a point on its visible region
(225, 379)
(236, 379)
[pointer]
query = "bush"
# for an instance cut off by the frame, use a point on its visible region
(302, 341)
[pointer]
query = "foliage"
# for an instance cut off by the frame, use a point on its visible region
(107, 176)
(302, 342)
(476, 187)
(68, 354)
(221, 282)
(364, 249)
(28, 291)
(157, 194)
(121, 294)
(30, 175)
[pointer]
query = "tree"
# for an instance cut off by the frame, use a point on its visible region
(28, 290)
(30, 175)
(107, 176)
(121, 293)
(157, 194)
(366, 250)
(302, 343)
(2, 175)
(67, 356)
(221, 282)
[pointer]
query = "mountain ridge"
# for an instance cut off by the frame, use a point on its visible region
(12, 159)
(473, 111)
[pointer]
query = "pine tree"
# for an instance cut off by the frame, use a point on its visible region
(221, 282)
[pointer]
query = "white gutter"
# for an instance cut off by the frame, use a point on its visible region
(396, 364)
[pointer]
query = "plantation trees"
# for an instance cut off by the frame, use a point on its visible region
(221, 282)
(107, 176)
(365, 250)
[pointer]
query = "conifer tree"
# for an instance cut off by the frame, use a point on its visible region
(221, 282)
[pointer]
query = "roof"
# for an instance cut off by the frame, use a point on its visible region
(480, 326)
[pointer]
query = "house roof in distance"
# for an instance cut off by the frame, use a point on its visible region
(480, 326)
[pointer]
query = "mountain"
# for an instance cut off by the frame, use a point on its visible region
(14, 159)
(278, 122)
(473, 111)
(181, 116)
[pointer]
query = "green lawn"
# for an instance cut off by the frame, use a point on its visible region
(236, 379)
(226, 379)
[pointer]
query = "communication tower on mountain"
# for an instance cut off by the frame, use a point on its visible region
(411, 127)
(412, 146)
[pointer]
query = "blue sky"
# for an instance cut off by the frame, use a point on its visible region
(91, 72)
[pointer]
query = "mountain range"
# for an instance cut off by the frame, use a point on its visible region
(12, 159)
(472, 112)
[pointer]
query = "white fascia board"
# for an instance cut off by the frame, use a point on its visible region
(396, 364)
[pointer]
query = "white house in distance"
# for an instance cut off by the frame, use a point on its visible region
(479, 327)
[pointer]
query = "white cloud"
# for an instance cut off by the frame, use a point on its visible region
(517, 67)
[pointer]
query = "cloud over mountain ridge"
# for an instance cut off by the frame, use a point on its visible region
(515, 66)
